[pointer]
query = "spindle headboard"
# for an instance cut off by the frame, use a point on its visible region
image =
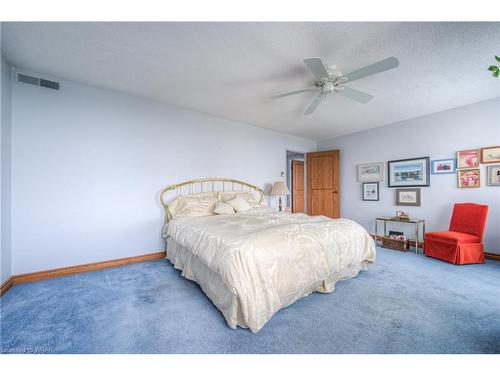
(202, 185)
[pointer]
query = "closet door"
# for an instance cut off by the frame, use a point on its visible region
(323, 195)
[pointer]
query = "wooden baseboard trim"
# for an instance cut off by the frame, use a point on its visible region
(6, 286)
(492, 256)
(71, 270)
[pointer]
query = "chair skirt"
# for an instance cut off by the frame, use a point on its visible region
(468, 253)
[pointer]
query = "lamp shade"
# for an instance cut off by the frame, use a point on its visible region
(279, 188)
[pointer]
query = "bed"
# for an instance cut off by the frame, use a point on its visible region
(255, 262)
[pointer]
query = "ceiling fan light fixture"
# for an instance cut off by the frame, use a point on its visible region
(328, 87)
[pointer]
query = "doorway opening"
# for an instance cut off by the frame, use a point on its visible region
(295, 181)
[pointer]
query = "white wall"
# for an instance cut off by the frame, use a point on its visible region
(439, 136)
(5, 190)
(88, 165)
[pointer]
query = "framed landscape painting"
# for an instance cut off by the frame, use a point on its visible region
(468, 159)
(490, 154)
(443, 166)
(409, 172)
(469, 178)
(372, 172)
(408, 197)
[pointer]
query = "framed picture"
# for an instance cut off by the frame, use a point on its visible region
(469, 178)
(443, 166)
(468, 159)
(408, 197)
(370, 191)
(493, 175)
(409, 172)
(372, 172)
(490, 154)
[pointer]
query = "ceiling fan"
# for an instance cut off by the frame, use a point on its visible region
(329, 79)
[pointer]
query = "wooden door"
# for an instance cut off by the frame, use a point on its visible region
(297, 186)
(323, 195)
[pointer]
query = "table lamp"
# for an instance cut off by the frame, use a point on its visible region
(279, 189)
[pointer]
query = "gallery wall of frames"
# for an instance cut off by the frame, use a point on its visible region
(407, 176)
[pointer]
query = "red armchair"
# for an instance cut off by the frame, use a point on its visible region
(463, 243)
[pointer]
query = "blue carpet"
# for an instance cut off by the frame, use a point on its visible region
(405, 303)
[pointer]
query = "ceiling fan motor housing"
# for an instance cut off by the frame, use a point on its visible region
(328, 87)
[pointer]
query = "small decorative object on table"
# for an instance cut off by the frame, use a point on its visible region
(279, 189)
(400, 215)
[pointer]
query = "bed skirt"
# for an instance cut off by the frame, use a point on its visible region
(221, 295)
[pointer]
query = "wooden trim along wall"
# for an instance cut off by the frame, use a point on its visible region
(71, 270)
(6, 285)
(492, 256)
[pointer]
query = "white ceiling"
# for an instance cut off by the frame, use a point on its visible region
(230, 69)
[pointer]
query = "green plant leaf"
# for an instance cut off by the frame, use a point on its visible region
(497, 58)
(495, 74)
(493, 68)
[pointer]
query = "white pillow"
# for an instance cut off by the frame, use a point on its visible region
(239, 204)
(180, 203)
(249, 196)
(194, 207)
(222, 208)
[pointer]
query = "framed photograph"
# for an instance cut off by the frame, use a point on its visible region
(469, 178)
(443, 166)
(468, 159)
(370, 191)
(372, 172)
(490, 154)
(408, 197)
(409, 172)
(493, 175)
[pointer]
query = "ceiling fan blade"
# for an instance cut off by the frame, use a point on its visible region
(314, 104)
(317, 67)
(313, 88)
(354, 94)
(380, 66)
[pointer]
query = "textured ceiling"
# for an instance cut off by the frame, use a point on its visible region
(230, 69)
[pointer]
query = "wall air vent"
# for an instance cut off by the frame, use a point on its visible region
(37, 81)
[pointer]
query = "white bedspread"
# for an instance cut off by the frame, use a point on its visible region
(269, 259)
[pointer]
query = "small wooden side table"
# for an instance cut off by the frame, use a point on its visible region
(416, 222)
